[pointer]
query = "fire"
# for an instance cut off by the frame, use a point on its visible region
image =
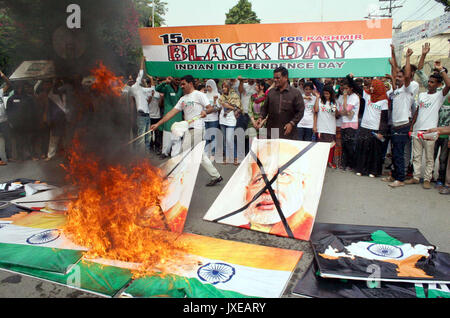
(115, 212)
(106, 82)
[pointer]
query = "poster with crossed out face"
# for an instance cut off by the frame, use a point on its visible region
(276, 189)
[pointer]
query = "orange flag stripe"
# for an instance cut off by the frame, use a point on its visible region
(243, 254)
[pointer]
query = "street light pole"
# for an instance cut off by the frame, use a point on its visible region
(153, 13)
(321, 11)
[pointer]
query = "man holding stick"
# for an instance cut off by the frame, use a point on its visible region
(192, 104)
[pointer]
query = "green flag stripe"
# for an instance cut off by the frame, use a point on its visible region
(177, 287)
(88, 276)
(381, 237)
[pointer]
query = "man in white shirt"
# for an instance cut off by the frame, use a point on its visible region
(141, 95)
(402, 100)
(192, 104)
(306, 125)
(415, 89)
(246, 89)
(426, 117)
(155, 115)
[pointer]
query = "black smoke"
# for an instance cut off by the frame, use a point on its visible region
(108, 33)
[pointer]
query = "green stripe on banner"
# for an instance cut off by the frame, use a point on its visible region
(177, 287)
(88, 276)
(38, 257)
(381, 237)
(264, 69)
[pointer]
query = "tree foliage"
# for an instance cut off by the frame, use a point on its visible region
(241, 13)
(109, 27)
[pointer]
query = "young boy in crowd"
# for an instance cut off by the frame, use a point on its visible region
(426, 117)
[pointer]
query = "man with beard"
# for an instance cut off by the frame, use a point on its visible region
(262, 214)
(284, 107)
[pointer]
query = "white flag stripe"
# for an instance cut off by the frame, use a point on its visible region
(377, 48)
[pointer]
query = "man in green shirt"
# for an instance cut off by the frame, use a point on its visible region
(172, 93)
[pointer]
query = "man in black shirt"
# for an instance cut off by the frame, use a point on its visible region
(284, 107)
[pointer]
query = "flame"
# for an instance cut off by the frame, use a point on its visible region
(106, 82)
(115, 211)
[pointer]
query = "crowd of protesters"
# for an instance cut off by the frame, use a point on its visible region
(36, 118)
(367, 120)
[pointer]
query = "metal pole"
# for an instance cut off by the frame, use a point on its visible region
(153, 13)
(321, 11)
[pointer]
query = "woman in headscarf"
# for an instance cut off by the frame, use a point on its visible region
(212, 119)
(372, 131)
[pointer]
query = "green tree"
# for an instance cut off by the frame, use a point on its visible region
(110, 29)
(145, 11)
(8, 43)
(445, 3)
(241, 13)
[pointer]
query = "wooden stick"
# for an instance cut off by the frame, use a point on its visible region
(44, 201)
(133, 140)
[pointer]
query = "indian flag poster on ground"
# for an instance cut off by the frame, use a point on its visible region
(276, 189)
(216, 268)
(318, 49)
(211, 267)
(20, 188)
(181, 173)
(378, 253)
(312, 285)
(33, 244)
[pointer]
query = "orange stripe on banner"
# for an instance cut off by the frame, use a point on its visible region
(248, 33)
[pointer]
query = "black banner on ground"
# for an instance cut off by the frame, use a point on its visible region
(378, 253)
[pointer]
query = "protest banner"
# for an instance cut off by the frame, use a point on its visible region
(424, 31)
(325, 49)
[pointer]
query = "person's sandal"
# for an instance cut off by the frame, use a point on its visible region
(214, 182)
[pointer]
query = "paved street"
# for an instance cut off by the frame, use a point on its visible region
(346, 198)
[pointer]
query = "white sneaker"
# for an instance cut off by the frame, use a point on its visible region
(371, 176)
(358, 174)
